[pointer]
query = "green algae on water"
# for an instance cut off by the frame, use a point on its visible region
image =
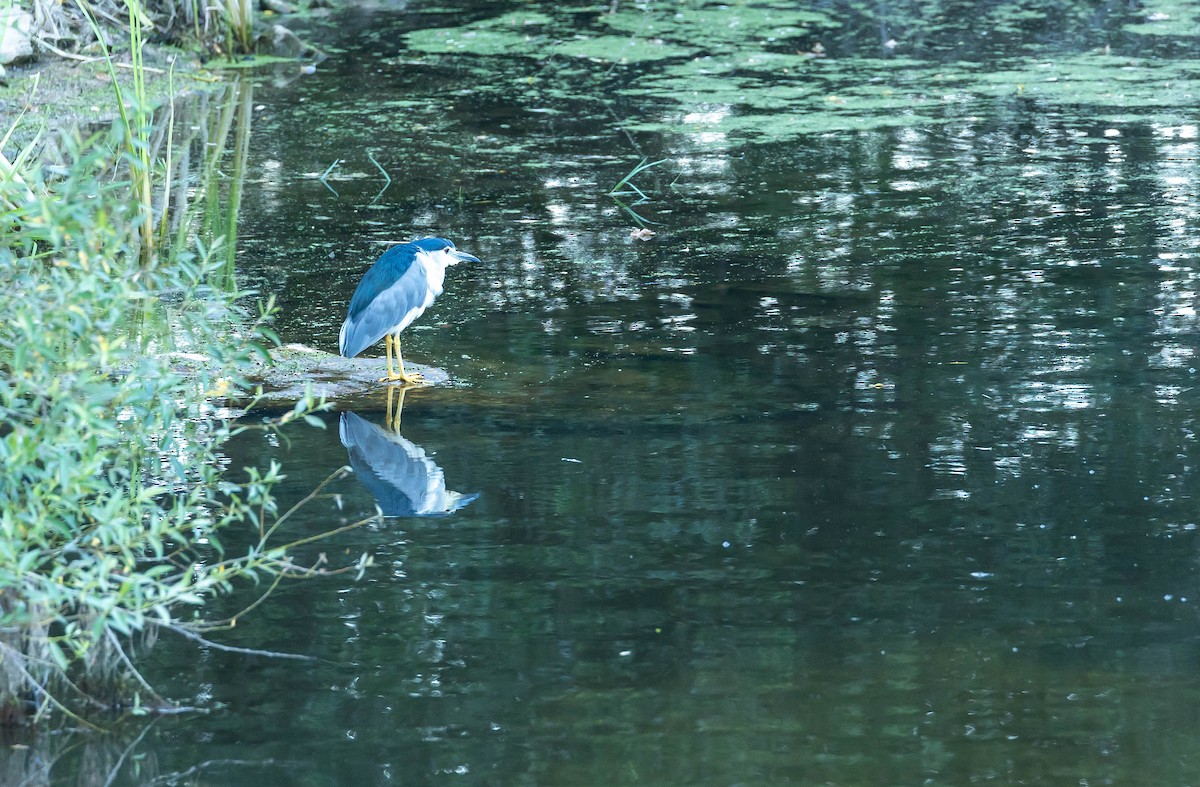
(753, 71)
(743, 26)
(621, 49)
(511, 34)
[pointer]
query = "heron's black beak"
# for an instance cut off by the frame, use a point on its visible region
(462, 256)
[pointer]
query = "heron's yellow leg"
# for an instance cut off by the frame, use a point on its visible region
(415, 377)
(392, 343)
(389, 343)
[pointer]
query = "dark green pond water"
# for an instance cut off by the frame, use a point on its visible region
(876, 464)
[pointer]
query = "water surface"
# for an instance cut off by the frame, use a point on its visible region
(876, 464)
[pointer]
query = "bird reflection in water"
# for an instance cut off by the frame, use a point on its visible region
(403, 479)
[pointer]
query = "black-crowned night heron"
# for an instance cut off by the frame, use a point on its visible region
(397, 289)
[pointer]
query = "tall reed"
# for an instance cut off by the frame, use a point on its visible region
(135, 125)
(239, 16)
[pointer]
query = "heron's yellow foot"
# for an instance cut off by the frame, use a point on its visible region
(392, 344)
(411, 378)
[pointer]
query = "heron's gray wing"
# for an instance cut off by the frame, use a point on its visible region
(388, 269)
(389, 311)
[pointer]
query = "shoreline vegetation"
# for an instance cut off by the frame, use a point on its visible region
(66, 63)
(117, 256)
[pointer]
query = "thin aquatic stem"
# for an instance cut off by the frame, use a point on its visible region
(163, 222)
(388, 183)
(324, 176)
(641, 167)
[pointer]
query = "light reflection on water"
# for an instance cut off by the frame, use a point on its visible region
(876, 464)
